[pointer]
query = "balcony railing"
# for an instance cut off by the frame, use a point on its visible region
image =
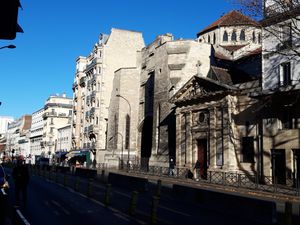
(93, 129)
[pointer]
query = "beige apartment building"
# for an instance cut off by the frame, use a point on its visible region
(57, 113)
(93, 85)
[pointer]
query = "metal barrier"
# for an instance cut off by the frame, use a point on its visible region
(234, 179)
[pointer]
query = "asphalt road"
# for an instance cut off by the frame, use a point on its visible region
(49, 203)
(52, 202)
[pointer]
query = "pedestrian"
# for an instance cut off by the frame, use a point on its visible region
(189, 174)
(172, 167)
(21, 178)
(197, 170)
(4, 202)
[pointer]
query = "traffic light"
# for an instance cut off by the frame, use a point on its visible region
(9, 19)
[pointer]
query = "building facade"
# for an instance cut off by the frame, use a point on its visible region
(279, 113)
(4, 121)
(123, 117)
(57, 113)
(36, 134)
(166, 64)
(17, 139)
(64, 139)
(215, 124)
(93, 86)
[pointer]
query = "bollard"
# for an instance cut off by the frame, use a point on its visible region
(155, 201)
(158, 188)
(133, 202)
(89, 188)
(77, 182)
(102, 175)
(56, 177)
(288, 213)
(107, 195)
(65, 180)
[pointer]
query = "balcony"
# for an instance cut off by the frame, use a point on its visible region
(94, 145)
(88, 100)
(82, 82)
(49, 114)
(93, 129)
(75, 85)
(62, 115)
(50, 143)
(93, 96)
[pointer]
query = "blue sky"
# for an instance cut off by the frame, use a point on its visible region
(56, 32)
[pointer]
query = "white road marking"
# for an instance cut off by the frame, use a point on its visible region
(121, 217)
(22, 217)
(173, 210)
(61, 207)
(110, 208)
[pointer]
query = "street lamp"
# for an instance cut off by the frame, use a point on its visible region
(8, 46)
(128, 155)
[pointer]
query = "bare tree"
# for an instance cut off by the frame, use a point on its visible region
(280, 20)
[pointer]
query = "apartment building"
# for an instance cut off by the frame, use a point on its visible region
(36, 134)
(279, 114)
(92, 87)
(57, 113)
(17, 141)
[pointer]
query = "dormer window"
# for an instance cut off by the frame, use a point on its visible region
(233, 35)
(225, 36)
(242, 35)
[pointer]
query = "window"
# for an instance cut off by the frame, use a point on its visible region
(214, 39)
(259, 38)
(225, 36)
(233, 35)
(288, 121)
(253, 37)
(242, 35)
(286, 33)
(208, 38)
(127, 130)
(285, 74)
(247, 150)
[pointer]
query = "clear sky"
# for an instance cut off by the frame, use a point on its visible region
(56, 32)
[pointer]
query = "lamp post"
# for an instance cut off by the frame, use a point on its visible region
(128, 155)
(8, 46)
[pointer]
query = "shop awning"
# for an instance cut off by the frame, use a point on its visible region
(74, 153)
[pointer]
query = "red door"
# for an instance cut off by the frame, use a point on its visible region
(202, 157)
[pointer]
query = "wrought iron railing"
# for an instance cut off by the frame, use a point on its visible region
(234, 179)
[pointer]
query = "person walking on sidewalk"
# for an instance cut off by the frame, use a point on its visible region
(21, 178)
(172, 167)
(197, 170)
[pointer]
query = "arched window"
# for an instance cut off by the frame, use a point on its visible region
(208, 39)
(253, 37)
(225, 36)
(259, 38)
(233, 35)
(242, 35)
(214, 39)
(127, 131)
